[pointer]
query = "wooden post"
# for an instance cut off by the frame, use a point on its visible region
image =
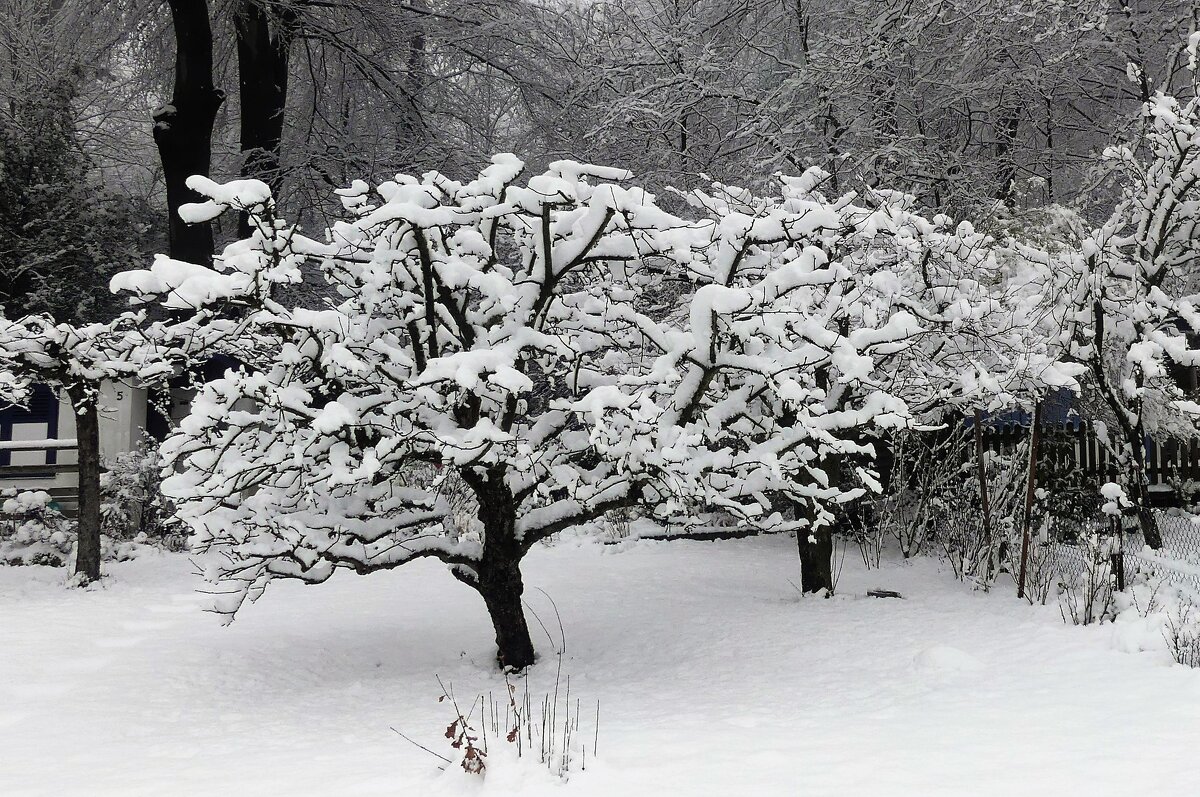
(984, 500)
(1031, 487)
(1118, 558)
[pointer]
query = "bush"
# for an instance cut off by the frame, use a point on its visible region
(1087, 593)
(34, 532)
(133, 506)
(1069, 496)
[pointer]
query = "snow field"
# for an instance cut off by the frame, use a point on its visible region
(714, 678)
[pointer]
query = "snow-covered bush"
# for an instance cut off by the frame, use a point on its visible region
(133, 506)
(928, 497)
(1160, 611)
(931, 505)
(1183, 634)
(33, 531)
(1069, 496)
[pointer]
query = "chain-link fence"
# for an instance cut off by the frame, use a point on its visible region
(1072, 553)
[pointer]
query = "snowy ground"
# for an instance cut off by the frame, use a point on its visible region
(714, 678)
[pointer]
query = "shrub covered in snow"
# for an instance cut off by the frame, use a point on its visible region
(1087, 593)
(33, 531)
(133, 505)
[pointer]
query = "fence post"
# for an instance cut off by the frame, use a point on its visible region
(984, 501)
(1034, 434)
(1118, 556)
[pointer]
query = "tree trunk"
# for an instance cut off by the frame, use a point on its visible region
(263, 44)
(183, 128)
(1030, 492)
(498, 575)
(501, 586)
(816, 545)
(984, 498)
(816, 560)
(411, 138)
(87, 430)
(1145, 517)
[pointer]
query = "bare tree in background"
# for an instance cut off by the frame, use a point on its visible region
(183, 128)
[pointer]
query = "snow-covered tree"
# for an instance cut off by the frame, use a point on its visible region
(76, 359)
(495, 361)
(815, 325)
(461, 323)
(517, 350)
(1130, 298)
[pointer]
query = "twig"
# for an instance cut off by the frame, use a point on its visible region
(423, 747)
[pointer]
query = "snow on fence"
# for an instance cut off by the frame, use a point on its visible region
(38, 445)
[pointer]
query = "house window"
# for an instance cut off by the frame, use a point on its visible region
(38, 420)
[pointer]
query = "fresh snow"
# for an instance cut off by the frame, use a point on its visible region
(714, 678)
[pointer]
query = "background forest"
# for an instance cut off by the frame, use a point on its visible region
(979, 108)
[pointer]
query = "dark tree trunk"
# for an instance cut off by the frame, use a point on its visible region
(410, 127)
(263, 43)
(1145, 517)
(87, 430)
(498, 575)
(816, 545)
(501, 586)
(816, 560)
(183, 128)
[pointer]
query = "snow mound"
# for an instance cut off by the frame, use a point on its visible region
(944, 658)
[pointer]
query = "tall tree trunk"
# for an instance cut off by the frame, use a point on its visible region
(1140, 497)
(87, 431)
(263, 43)
(183, 128)
(411, 137)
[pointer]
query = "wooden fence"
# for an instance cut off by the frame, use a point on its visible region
(1166, 461)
